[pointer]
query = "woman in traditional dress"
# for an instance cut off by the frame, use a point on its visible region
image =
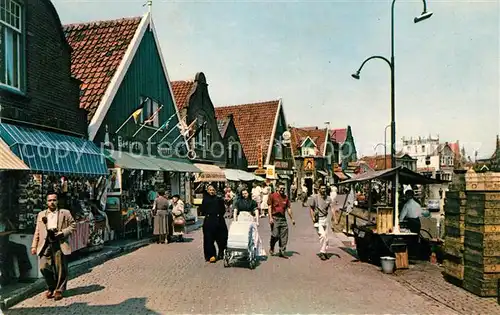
(160, 211)
(214, 226)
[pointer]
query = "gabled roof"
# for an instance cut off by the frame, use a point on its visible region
(182, 91)
(318, 136)
(254, 122)
(339, 135)
(98, 49)
(102, 54)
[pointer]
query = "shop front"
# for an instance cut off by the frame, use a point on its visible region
(34, 162)
(133, 182)
(210, 174)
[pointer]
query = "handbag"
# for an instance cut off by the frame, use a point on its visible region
(179, 221)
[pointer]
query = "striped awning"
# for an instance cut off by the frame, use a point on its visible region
(209, 173)
(54, 153)
(8, 160)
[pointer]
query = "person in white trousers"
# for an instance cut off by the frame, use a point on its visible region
(321, 205)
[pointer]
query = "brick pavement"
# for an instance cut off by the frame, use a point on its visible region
(174, 279)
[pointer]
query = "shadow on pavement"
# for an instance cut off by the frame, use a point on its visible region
(290, 253)
(130, 306)
(350, 251)
(83, 290)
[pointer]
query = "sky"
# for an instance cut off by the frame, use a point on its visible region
(447, 67)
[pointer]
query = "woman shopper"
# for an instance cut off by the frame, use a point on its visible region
(214, 226)
(266, 191)
(246, 210)
(160, 212)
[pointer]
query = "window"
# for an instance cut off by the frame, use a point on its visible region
(278, 149)
(10, 44)
(307, 151)
(203, 138)
(233, 152)
(423, 148)
(150, 113)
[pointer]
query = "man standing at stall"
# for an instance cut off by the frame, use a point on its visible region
(50, 243)
(321, 205)
(279, 203)
(411, 212)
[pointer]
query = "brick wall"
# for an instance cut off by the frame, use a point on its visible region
(50, 95)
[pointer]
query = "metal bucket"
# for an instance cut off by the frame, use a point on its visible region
(388, 264)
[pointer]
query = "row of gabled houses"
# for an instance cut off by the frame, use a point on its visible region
(104, 86)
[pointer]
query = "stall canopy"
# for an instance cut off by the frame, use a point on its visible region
(406, 177)
(141, 162)
(209, 173)
(127, 161)
(8, 160)
(54, 153)
(341, 175)
(239, 175)
(322, 172)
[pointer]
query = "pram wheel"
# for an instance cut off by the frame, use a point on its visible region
(252, 264)
(226, 259)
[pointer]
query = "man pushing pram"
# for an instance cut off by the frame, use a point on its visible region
(244, 242)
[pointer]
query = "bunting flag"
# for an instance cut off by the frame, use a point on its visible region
(164, 126)
(197, 131)
(153, 116)
(135, 114)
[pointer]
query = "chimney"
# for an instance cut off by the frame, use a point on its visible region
(498, 142)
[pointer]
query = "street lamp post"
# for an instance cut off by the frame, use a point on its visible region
(392, 65)
(385, 147)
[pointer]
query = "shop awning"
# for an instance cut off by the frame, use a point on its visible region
(322, 172)
(245, 176)
(8, 160)
(209, 173)
(260, 179)
(406, 177)
(128, 161)
(341, 175)
(232, 175)
(283, 176)
(183, 166)
(50, 152)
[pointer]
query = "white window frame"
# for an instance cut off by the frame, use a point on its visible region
(150, 106)
(5, 27)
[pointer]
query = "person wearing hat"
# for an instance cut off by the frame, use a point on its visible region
(411, 212)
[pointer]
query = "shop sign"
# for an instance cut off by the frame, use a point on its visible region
(309, 164)
(260, 171)
(270, 172)
(281, 164)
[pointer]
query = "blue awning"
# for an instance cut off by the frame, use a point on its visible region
(54, 153)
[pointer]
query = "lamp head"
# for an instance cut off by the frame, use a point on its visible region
(355, 75)
(424, 16)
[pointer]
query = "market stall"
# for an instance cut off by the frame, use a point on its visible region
(66, 165)
(385, 237)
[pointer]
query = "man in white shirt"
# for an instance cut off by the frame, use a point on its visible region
(411, 212)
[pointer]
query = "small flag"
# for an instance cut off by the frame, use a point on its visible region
(152, 118)
(136, 114)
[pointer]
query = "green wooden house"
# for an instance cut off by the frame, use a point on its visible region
(126, 91)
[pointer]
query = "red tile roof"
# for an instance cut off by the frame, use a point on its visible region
(253, 122)
(182, 91)
(377, 162)
(316, 135)
(339, 135)
(98, 49)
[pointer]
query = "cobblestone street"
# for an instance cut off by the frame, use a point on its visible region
(174, 279)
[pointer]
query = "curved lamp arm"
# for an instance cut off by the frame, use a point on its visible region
(380, 144)
(356, 75)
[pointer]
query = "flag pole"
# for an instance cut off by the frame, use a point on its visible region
(144, 123)
(173, 128)
(126, 121)
(164, 125)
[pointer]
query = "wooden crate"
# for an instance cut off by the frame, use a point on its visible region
(483, 288)
(453, 269)
(489, 181)
(456, 194)
(385, 219)
(487, 243)
(454, 246)
(475, 258)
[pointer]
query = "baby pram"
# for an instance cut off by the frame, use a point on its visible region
(241, 245)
